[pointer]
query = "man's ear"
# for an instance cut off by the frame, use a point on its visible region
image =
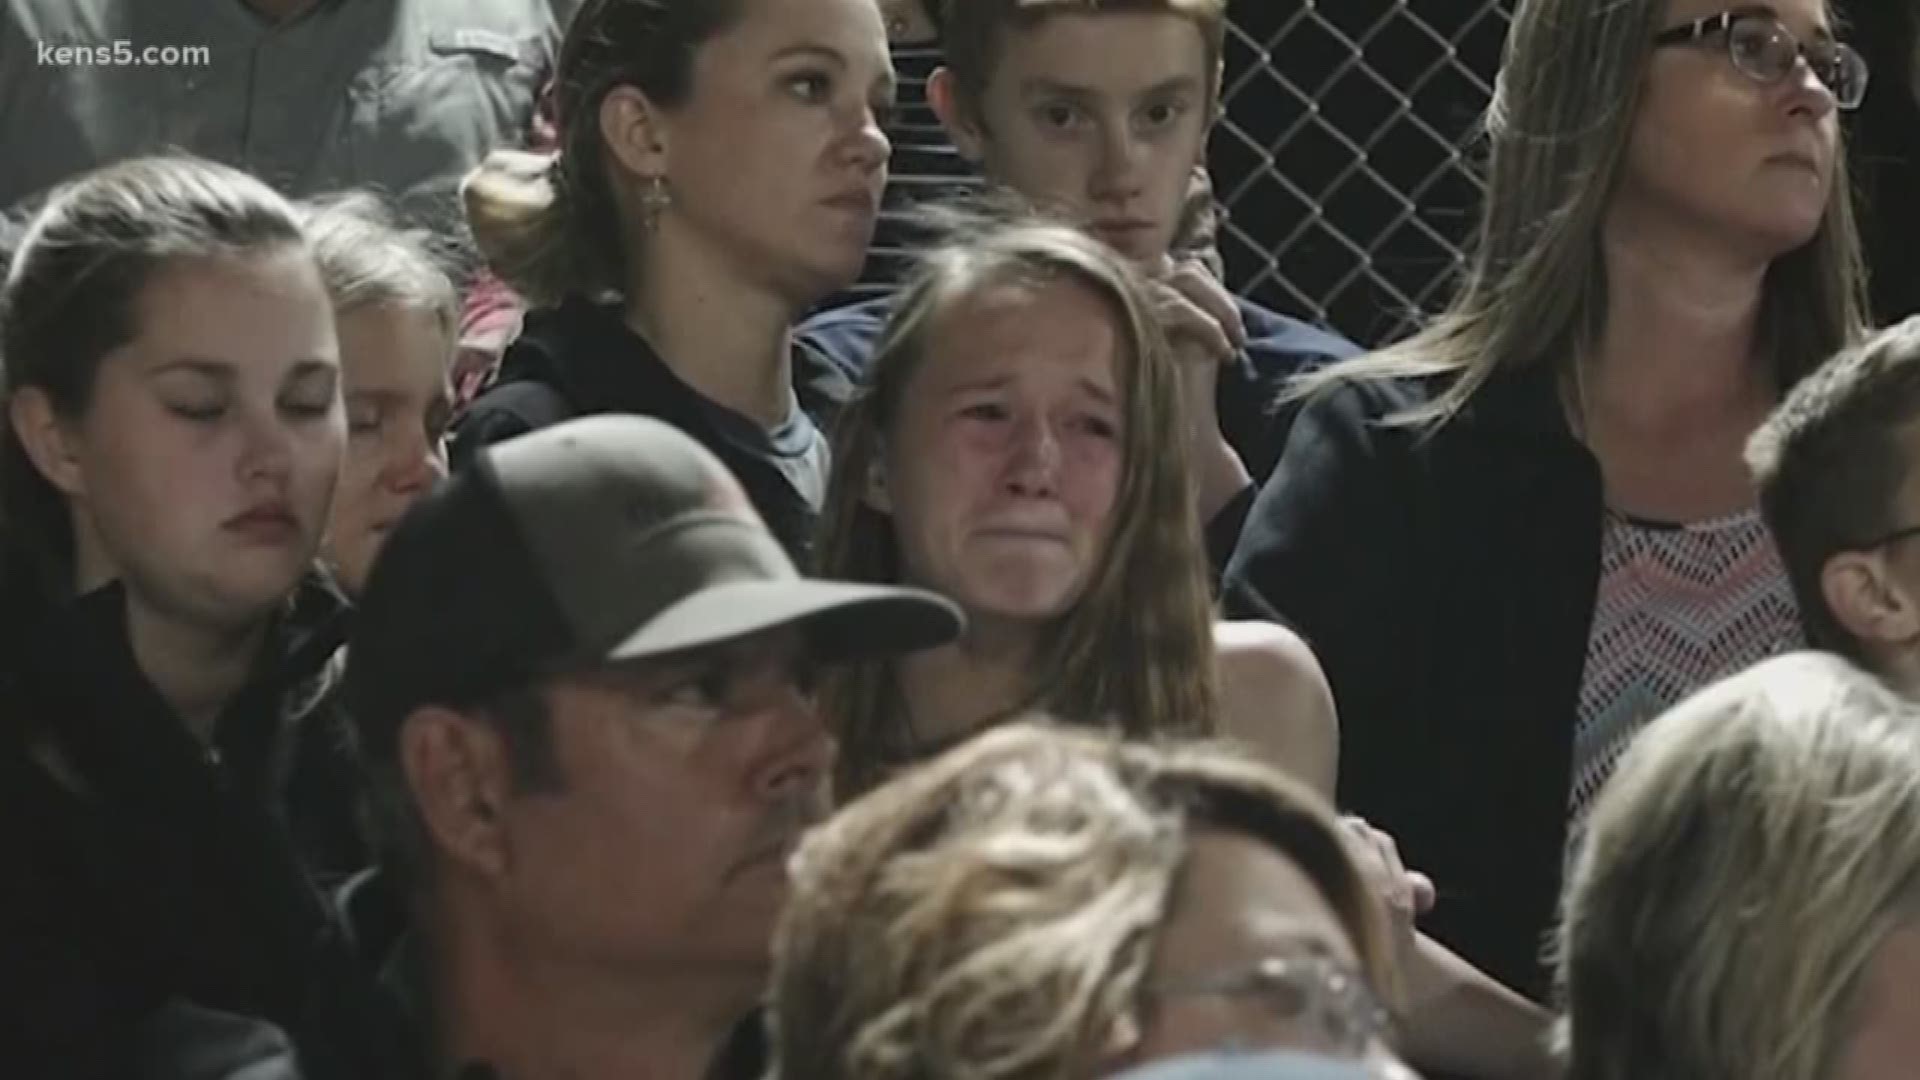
(1866, 600)
(634, 131)
(457, 771)
(961, 121)
(47, 439)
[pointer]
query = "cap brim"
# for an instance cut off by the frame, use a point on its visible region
(841, 620)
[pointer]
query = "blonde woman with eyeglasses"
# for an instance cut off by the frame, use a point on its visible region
(1044, 902)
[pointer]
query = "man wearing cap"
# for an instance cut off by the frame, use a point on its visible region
(588, 794)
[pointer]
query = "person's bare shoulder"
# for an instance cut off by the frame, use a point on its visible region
(1274, 700)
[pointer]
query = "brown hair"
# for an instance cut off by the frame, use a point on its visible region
(1534, 291)
(72, 296)
(550, 225)
(994, 913)
(1137, 650)
(1752, 851)
(970, 31)
(1830, 463)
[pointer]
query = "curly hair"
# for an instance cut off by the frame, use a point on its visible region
(993, 914)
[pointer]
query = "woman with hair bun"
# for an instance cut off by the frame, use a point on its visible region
(719, 174)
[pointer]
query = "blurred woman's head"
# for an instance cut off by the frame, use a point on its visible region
(739, 137)
(397, 318)
(1018, 447)
(173, 409)
(1747, 902)
(1045, 902)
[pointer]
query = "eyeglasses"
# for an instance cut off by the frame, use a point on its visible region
(1334, 1001)
(1765, 51)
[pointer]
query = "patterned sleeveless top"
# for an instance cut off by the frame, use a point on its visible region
(1678, 607)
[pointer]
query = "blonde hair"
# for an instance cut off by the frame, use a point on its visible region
(1756, 845)
(552, 225)
(1137, 649)
(1534, 290)
(367, 259)
(994, 913)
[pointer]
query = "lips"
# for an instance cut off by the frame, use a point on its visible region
(1120, 229)
(1802, 158)
(856, 200)
(1023, 532)
(268, 523)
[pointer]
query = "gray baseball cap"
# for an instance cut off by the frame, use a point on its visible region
(598, 540)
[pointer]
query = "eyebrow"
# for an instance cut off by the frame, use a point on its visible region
(223, 372)
(303, 370)
(1041, 86)
(1105, 395)
(831, 55)
(999, 382)
(210, 369)
(1821, 33)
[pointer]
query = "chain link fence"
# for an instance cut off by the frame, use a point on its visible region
(1340, 163)
(1343, 159)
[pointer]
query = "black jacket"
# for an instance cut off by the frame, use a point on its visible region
(1446, 580)
(144, 871)
(581, 358)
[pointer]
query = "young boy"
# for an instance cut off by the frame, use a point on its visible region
(1834, 465)
(1101, 112)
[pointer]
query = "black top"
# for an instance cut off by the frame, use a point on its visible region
(147, 869)
(381, 932)
(1446, 579)
(1246, 391)
(582, 358)
(1885, 151)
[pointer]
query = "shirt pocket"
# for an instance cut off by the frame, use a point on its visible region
(422, 122)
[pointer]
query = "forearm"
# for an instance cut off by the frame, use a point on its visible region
(1218, 475)
(1459, 1020)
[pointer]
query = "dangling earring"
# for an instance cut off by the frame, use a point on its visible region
(654, 200)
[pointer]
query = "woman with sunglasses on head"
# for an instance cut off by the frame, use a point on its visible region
(1519, 534)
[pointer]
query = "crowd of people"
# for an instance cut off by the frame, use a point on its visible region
(614, 660)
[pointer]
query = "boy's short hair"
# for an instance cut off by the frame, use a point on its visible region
(970, 30)
(1829, 464)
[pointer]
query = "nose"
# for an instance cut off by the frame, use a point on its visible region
(801, 750)
(1808, 95)
(418, 465)
(868, 147)
(1117, 176)
(1033, 469)
(267, 450)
